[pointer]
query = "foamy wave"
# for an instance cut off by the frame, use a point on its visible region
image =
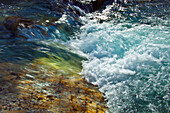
(130, 65)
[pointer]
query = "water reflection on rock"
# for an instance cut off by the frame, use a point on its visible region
(48, 84)
(40, 88)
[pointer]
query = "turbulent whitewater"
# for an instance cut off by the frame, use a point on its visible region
(66, 55)
(128, 59)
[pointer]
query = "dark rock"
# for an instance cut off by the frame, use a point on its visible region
(13, 23)
(4, 32)
(13, 73)
(99, 3)
(1, 89)
(51, 97)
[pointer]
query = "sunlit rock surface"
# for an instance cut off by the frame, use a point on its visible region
(48, 84)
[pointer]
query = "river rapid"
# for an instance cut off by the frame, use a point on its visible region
(128, 56)
(124, 47)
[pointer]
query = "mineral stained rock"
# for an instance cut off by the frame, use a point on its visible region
(43, 87)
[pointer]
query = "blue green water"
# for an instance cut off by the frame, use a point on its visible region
(131, 66)
(127, 47)
(128, 57)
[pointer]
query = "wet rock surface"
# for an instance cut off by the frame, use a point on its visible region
(43, 77)
(14, 23)
(42, 88)
(40, 19)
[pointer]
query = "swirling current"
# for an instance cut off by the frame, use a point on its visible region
(128, 57)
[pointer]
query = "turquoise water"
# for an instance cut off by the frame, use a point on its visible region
(128, 58)
(127, 47)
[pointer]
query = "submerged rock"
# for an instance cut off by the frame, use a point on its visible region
(12, 22)
(15, 23)
(48, 84)
(43, 88)
(45, 19)
(5, 33)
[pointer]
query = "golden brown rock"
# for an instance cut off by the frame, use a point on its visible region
(48, 92)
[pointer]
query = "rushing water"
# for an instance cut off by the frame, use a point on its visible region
(128, 57)
(127, 47)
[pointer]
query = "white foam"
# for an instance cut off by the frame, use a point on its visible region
(128, 64)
